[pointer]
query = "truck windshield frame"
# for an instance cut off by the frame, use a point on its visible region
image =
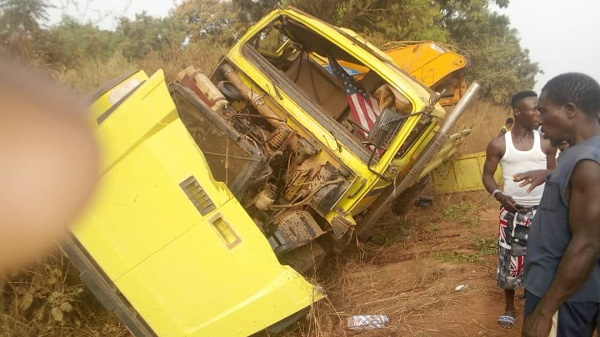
(331, 111)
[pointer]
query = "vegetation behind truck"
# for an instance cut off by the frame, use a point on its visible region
(218, 192)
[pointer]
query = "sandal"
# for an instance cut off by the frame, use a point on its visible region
(506, 321)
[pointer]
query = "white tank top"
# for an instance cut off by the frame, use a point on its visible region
(515, 161)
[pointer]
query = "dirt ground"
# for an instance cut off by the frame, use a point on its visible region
(410, 273)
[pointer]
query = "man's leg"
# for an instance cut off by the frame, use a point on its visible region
(509, 294)
(505, 275)
(506, 282)
(573, 319)
(531, 302)
(577, 319)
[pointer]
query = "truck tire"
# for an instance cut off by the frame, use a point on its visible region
(406, 198)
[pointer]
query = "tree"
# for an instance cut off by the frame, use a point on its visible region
(73, 42)
(20, 25)
(498, 61)
(250, 11)
(378, 19)
(24, 15)
(147, 33)
(209, 21)
(387, 20)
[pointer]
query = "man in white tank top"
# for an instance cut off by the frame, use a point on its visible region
(520, 150)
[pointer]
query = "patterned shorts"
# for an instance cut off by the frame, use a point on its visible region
(512, 243)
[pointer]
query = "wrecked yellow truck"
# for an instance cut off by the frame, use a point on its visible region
(220, 191)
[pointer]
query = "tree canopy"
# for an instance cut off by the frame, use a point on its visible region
(498, 61)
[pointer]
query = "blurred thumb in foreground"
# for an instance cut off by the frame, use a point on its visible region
(48, 163)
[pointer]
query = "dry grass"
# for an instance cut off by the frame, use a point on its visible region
(48, 299)
(94, 72)
(205, 57)
(356, 288)
(485, 120)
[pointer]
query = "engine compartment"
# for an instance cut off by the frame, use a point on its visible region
(276, 174)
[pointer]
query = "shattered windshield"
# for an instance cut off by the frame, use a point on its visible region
(346, 92)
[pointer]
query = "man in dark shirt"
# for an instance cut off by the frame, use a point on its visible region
(562, 267)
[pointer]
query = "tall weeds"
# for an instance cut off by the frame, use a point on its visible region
(93, 72)
(485, 119)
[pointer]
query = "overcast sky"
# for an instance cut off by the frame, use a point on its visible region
(561, 35)
(105, 12)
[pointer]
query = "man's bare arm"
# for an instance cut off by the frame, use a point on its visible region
(494, 153)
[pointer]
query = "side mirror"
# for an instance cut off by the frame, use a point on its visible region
(385, 128)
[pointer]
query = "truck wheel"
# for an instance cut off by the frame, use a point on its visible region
(406, 198)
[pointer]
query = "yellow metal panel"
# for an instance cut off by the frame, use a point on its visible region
(186, 273)
(111, 96)
(141, 204)
(427, 61)
(462, 174)
(209, 289)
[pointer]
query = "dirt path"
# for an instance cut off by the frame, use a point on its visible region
(411, 271)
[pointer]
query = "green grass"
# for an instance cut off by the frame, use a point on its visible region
(463, 212)
(486, 245)
(457, 211)
(459, 257)
(394, 231)
(432, 227)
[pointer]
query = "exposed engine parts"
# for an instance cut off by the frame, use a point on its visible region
(294, 229)
(279, 137)
(265, 198)
(276, 173)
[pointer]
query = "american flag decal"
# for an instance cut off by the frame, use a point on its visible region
(365, 108)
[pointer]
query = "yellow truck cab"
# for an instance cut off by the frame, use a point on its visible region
(440, 67)
(219, 192)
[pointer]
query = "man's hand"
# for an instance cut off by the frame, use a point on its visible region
(508, 202)
(533, 178)
(536, 325)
